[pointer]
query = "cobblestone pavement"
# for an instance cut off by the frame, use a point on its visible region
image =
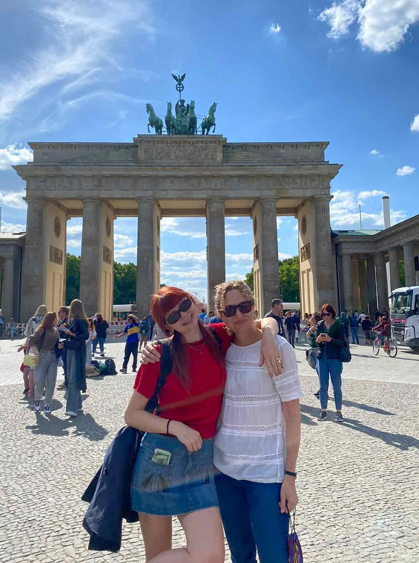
(358, 481)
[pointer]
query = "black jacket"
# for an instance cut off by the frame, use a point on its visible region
(80, 329)
(101, 329)
(337, 334)
(109, 491)
(278, 319)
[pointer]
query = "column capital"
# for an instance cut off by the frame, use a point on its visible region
(30, 199)
(145, 199)
(409, 243)
(320, 198)
(215, 199)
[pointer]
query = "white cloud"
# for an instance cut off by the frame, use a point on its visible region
(283, 256)
(229, 232)
(372, 193)
(13, 199)
(382, 24)
(414, 126)
(74, 243)
(340, 16)
(12, 228)
(275, 29)
(344, 213)
(12, 155)
(405, 170)
(279, 221)
(385, 23)
(375, 152)
(74, 230)
(122, 241)
(82, 36)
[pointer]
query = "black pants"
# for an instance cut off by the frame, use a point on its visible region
(130, 348)
(291, 337)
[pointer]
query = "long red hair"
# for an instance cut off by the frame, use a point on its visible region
(166, 299)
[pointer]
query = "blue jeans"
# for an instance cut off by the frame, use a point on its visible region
(326, 367)
(252, 519)
(101, 342)
(355, 337)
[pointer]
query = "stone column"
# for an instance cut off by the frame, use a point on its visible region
(347, 282)
(7, 307)
(268, 254)
(91, 257)
(409, 263)
(381, 276)
(371, 287)
(34, 261)
(216, 267)
(145, 256)
(362, 269)
(325, 267)
(394, 268)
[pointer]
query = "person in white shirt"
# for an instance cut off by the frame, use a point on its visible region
(258, 437)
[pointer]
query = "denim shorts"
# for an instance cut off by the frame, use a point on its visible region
(185, 485)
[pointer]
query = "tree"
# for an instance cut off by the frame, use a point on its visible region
(72, 282)
(289, 279)
(125, 283)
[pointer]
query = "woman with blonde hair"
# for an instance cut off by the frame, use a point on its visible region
(78, 332)
(44, 343)
(29, 371)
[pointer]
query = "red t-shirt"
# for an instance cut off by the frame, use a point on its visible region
(199, 406)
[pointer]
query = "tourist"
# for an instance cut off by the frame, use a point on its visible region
(215, 320)
(202, 314)
(208, 317)
(345, 321)
(158, 334)
(185, 487)
(311, 334)
(330, 336)
(35, 321)
(62, 323)
(101, 326)
(292, 325)
(275, 313)
(367, 325)
(383, 328)
(44, 343)
(12, 326)
(144, 330)
(361, 317)
(77, 333)
(354, 324)
(89, 341)
(1, 325)
(131, 345)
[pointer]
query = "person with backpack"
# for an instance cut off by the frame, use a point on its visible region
(101, 326)
(367, 325)
(354, 324)
(44, 343)
(131, 346)
(144, 331)
(174, 472)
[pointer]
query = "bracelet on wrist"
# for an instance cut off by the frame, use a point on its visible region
(167, 427)
(291, 473)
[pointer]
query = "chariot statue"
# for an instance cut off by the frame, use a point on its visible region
(185, 120)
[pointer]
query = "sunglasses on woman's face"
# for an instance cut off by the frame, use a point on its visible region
(175, 316)
(244, 307)
(327, 315)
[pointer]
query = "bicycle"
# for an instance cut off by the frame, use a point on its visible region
(389, 346)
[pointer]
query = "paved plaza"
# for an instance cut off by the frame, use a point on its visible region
(358, 481)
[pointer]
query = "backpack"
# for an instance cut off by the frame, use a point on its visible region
(110, 368)
(144, 327)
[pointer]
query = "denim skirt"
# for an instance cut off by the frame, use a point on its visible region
(185, 485)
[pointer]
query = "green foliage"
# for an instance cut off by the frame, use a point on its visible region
(125, 283)
(72, 282)
(289, 279)
(402, 274)
(125, 280)
(249, 279)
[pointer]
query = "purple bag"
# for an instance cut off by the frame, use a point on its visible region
(294, 546)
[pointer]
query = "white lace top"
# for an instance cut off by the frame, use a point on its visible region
(250, 442)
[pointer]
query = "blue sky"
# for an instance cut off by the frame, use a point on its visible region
(344, 72)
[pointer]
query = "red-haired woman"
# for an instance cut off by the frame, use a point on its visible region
(174, 474)
(330, 336)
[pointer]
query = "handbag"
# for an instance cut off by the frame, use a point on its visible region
(345, 355)
(73, 344)
(295, 553)
(29, 361)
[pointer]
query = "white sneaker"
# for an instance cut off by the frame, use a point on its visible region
(37, 406)
(47, 409)
(70, 413)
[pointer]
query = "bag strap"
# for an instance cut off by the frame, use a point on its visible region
(165, 369)
(216, 337)
(41, 340)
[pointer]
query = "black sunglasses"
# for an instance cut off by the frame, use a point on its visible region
(244, 307)
(175, 316)
(327, 315)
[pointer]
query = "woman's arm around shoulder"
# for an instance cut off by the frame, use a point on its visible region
(288, 382)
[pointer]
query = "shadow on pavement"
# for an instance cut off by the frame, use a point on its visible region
(367, 408)
(399, 441)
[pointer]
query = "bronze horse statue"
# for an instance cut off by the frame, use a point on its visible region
(192, 119)
(170, 120)
(209, 121)
(154, 121)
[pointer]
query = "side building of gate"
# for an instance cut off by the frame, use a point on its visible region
(174, 176)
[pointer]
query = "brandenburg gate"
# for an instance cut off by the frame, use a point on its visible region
(174, 175)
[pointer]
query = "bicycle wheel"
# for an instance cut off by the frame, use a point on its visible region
(392, 348)
(376, 345)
